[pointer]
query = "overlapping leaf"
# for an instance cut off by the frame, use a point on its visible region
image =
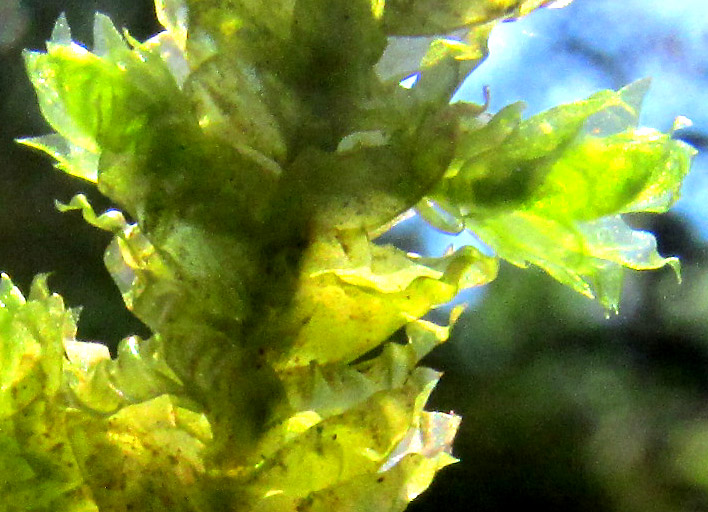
(38, 468)
(548, 190)
(60, 451)
(418, 17)
(374, 277)
(259, 146)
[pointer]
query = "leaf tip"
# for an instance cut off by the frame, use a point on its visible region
(675, 265)
(61, 33)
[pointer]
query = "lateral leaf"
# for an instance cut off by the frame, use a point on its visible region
(420, 17)
(548, 190)
(39, 469)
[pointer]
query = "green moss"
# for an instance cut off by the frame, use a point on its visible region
(259, 148)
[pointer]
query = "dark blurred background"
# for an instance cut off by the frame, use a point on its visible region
(563, 408)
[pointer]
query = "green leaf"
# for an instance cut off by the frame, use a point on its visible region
(38, 467)
(70, 158)
(112, 221)
(99, 100)
(379, 423)
(144, 456)
(229, 101)
(258, 148)
(588, 257)
(421, 17)
(106, 385)
(353, 294)
(393, 490)
(248, 22)
(547, 190)
(328, 389)
(32, 334)
(173, 15)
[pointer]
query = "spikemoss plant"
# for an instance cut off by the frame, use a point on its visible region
(255, 150)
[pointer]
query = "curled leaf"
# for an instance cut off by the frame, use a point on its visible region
(548, 190)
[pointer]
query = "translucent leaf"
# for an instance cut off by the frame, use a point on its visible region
(507, 140)
(432, 437)
(31, 335)
(420, 76)
(72, 159)
(98, 100)
(141, 275)
(353, 294)
(97, 104)
(334, 388)
(61, 34)
(439, 218)
(615, 119)
(639, 170)
(105, 386)
(449, 60)
(54, 455)
(144, 456)
(112, 221)
(547, 190)
(421, 17)
(108, 43)
(42, 73)
(38, 467)
(402, 57)
(378, 424)
(229, 101)
(392, 490)
(588, 256)
(615, 241)
(173, 15)
(152, 285)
